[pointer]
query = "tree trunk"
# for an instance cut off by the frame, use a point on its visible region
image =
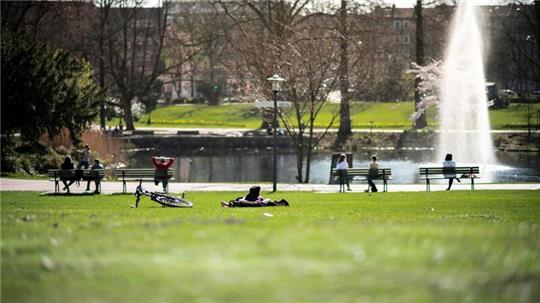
(345, 115)
(126, 105)
(421, 121)
(213, 93)
(102, 122)
(300, 156)
(310, 149)
(537, 17)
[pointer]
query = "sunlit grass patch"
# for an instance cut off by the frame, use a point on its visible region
(478, 246)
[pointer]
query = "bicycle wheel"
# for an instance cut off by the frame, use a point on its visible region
(171, 201)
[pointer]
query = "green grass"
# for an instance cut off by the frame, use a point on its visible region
(229, 116)
(515, 116)
(23, 176)
(462, 246)
(383, 115)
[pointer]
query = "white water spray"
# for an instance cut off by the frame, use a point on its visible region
(464, 120)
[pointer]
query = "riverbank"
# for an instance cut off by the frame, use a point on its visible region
(174, 139)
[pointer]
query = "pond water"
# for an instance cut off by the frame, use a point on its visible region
(256, 166)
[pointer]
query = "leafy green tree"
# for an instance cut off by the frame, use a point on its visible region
(44, 90)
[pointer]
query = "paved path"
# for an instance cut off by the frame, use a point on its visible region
(7, 184)
(239, 131)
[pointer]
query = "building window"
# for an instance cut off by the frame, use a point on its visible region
(397, 39)
(406, 39)
(405, 24)
(397, 24)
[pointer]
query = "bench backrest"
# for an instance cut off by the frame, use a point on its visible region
(135, 173)
(384, 173)
(461, 170)
(71, 173)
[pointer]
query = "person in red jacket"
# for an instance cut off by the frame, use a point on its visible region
(162, 165)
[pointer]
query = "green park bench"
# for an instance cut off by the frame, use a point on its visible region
(57, 175)
(357, 174)
(140, 174)
(462, 172)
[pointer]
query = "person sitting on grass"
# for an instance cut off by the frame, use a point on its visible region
(93, 173)
(253, 199)
(162, 165)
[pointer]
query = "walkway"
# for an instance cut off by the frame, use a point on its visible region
(240, 131)
(7, 184)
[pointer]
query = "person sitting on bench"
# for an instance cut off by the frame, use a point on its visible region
(372, 174)
(449, 170)
(67, 165)
(96, 165)
(162, 165)
(253, 199)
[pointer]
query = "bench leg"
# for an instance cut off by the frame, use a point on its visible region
(56, 187)
(385, 186)
(124, 187)
(428, 187)
(472, 183)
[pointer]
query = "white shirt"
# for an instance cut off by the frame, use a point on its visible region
(374, 169)
(449, 164)
(85, 155)
(342, 165)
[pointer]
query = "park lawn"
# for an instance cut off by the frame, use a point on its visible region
(363, 115)
(459, 246)
(228, 116)
(383, 115)
(515, 116)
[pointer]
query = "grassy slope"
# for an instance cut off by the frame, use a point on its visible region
(480, 246)
(384, 115)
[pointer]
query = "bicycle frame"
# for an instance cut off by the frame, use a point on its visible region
(160, 198)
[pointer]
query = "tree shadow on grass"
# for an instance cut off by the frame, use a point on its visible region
(71, 194)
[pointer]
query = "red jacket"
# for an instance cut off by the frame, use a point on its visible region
(162, 165)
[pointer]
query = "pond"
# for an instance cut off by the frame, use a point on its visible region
(239, 165)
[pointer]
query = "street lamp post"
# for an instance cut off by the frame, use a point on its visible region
(276, 87)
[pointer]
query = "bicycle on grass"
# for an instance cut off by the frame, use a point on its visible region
(160, 198)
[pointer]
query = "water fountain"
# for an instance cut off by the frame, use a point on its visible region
(463, 111)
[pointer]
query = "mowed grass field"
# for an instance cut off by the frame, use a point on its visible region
(462, 246)
(382, 114)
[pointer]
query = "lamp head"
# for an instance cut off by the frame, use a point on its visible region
(276, 82)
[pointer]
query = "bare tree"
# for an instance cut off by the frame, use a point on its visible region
(284, 37)
(371, 50)
(515, 35)
(314, 74)
(183, 43)
(135, 39)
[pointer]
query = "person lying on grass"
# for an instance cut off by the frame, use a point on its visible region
(253, 199)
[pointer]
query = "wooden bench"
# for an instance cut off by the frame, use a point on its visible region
(462, 172)
(138, 174)
(57, 175)
(385, 174)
